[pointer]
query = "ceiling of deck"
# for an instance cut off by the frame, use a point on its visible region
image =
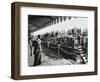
(37, 22)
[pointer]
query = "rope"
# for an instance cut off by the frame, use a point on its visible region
(67, 52)
(53, 47)
(62, 48)
(49, 43)
(67, 46)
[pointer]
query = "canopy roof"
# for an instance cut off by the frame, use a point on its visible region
(36, 22)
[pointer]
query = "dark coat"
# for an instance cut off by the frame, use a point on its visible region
(35, 44)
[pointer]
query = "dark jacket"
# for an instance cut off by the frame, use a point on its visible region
(35, 44)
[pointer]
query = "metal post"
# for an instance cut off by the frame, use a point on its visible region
(48, 44)
(58, 51)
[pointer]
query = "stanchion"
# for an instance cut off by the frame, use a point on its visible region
(58, 51)
(48, 44)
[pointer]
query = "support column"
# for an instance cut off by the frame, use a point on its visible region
(54, 21)
(58, 20)
(65, 18)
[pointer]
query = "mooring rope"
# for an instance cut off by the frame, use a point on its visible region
(67, 52)
(53, 47)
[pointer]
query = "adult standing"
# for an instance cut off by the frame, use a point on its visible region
(30, 44)
(36, 51)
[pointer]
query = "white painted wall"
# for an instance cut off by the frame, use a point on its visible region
(5, 40)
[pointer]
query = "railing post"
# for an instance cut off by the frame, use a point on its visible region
(58, 51)
(78, 59)
(48, 44)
